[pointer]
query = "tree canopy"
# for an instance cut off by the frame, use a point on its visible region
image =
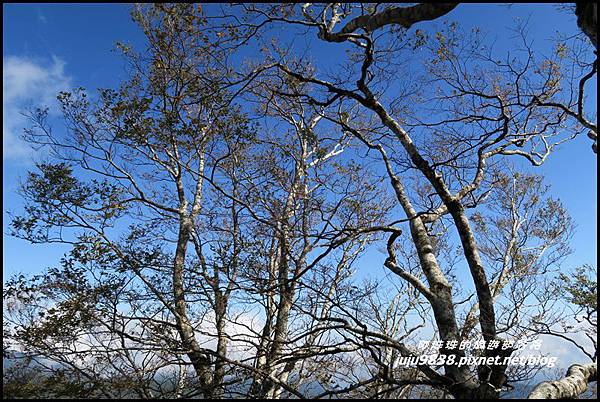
(218, 207)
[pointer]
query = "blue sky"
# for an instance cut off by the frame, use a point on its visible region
(51, 47)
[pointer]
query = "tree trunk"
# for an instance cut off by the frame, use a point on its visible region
(199, 360)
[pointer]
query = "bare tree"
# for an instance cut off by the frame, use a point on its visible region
(217, 207)
(478, 108)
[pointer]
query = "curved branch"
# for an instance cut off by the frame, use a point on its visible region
(575, 383)
(404, 16)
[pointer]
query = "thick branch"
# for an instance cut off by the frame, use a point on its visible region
(575, 383)
(404, 16)
(587, 19)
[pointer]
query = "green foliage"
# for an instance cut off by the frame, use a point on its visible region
(581, 287)
(56, 198)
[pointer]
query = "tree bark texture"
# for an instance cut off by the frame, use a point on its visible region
(575, 383)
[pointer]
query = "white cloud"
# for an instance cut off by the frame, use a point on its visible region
(565, 351)
(26, 83)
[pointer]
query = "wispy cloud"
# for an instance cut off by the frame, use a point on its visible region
(25, 83)
(41, 17)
